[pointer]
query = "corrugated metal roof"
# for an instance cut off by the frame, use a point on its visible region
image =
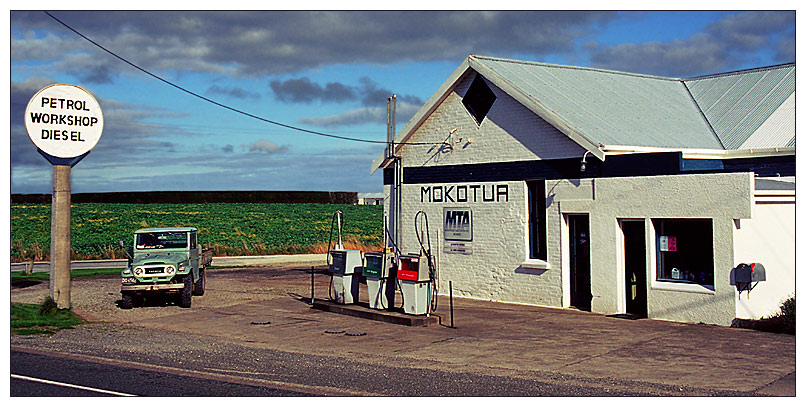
(738, 103)
(777, 131)
(608, 107)
(595, 107)
(773, 184)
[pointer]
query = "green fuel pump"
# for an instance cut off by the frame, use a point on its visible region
(380, 282)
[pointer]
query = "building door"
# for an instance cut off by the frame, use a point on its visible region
(580, 262)
(635, 266)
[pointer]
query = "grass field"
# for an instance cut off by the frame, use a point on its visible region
(75, 273)
(32, 319)
(229, 229)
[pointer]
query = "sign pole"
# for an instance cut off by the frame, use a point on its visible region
(60, 255)
(64, 122)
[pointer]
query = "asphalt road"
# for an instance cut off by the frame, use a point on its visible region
(248, 371)
(34, 375)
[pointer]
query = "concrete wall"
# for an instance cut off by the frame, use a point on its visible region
(768, 238)
(762, 232)
(498, 268)
(729, 197)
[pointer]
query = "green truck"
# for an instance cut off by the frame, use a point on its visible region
(164, 260)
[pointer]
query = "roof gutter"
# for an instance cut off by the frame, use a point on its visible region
(702, 153)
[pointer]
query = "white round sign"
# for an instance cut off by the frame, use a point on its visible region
(64, 121)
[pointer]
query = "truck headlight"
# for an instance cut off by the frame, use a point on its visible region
(138, 271)
(170, 269)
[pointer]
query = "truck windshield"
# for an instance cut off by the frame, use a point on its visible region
(162, 240)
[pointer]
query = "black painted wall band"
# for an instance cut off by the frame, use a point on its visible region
(627, 165)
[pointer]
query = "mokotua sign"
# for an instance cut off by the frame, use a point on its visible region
(64, 121)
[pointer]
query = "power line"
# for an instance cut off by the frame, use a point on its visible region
(217, 103)
(213, 128)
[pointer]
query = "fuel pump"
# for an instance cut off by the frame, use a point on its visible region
(379, 271)
(417, 275)
(380, 282)
(343, 264)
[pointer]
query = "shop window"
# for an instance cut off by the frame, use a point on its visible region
(685, 251)
(479, 99)
(537, 219)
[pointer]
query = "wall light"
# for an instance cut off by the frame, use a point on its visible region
(582, 165)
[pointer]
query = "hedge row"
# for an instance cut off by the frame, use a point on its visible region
(187, 197)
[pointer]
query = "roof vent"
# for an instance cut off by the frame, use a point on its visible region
(479, 99)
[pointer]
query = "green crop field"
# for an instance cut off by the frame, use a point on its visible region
(227, 228)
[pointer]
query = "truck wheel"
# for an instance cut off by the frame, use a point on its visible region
(187, 291)
(198, 288)
(127, 301)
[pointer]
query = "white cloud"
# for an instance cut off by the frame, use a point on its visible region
(724, 45)
(268, 147)
(363, 115)
(256, 43)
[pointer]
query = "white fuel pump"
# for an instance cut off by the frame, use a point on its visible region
(343, 264)
(417, 275)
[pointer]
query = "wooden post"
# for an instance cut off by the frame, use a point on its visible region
(60, 237)
(450, 291)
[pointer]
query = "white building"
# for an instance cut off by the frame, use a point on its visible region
(370, 198)
(605, 191)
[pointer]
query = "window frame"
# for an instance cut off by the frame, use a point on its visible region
(150, 240)
(657, 260)
(536, 222)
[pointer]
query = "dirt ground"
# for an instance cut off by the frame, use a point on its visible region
(97, 299)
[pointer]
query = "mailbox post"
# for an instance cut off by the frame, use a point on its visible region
(64, 122)
(744, 275)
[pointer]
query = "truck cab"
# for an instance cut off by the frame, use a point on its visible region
(165, 260)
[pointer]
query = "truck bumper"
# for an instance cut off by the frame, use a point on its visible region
(151, 287)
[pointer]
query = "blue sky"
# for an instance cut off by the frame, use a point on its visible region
(329, 72)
